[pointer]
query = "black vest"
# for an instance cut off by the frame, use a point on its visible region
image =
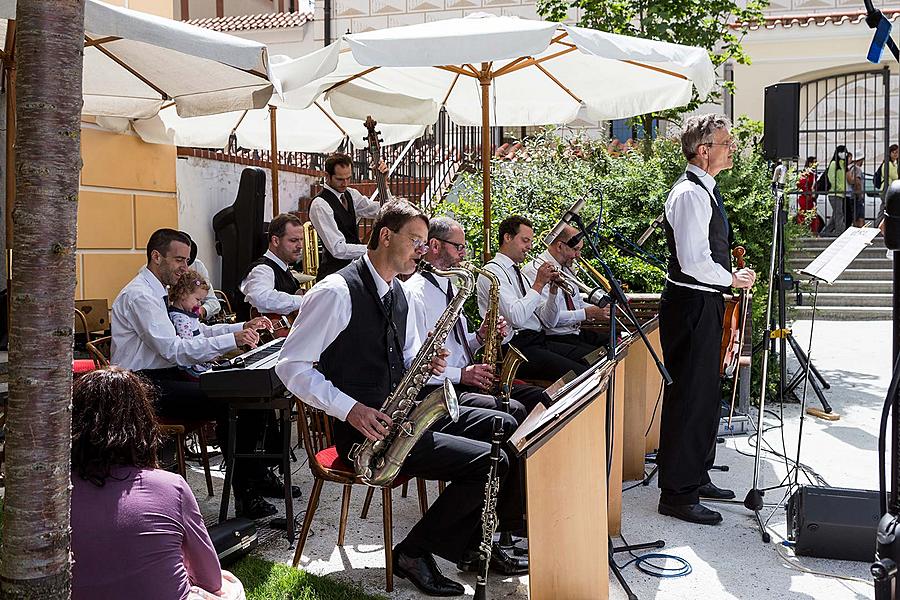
(345, 218)
(284, 281)
(718, 233)
(365, 361)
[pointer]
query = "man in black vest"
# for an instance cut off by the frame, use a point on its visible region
(335, 214)
(359, 325)
(690, 321)
(269, 286)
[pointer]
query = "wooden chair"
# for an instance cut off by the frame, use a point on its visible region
(326, 465)
(99, 350)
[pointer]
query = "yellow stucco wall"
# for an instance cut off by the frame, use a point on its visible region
(127, 192)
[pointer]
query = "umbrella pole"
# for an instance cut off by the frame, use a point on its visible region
(485, 81)
(274, 156)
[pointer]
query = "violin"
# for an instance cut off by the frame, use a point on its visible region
(736, 309)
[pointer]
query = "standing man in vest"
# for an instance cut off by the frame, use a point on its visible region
(690, 321)
(335, 213)
(346, 356)
(567, 336)
(269, 287)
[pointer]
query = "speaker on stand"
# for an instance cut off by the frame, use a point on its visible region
(781, 121)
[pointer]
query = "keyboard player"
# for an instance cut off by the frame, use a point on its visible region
(144, 340)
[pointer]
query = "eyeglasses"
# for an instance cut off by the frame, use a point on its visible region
(458, 247)
(419, 245)
(732, 144)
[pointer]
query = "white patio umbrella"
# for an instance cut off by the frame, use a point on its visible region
(488, 70)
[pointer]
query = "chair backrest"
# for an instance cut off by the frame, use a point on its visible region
(316, 431)
(99, 350)
(223, 297)
(95, 312)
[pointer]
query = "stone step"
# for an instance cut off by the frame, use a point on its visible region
(852, 286)
(810, 253)
(864, 274)
(824, 242)
(844, 313)
(858, 263)
(848, 300)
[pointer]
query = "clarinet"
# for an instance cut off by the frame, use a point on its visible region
(489, 511)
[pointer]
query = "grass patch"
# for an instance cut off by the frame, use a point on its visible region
(264, 580)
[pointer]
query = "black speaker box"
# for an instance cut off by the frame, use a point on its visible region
(834, 522)
(781, 121)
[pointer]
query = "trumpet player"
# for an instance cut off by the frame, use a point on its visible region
(350, 351)
(473, 380)
(269, 287)
(522, 303)
(567, 337)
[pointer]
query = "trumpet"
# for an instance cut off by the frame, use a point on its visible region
(568, 284)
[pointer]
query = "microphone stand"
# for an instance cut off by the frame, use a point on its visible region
(617, 296)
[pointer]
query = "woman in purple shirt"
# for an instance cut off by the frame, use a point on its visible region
(137, 531)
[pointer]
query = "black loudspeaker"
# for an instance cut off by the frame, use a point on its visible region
(781, 121)
(834, 522)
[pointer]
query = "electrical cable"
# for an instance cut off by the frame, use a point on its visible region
(791, 562)
(643, 564)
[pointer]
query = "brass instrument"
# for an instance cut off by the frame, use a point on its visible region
(379, 462)
(567, 284)
(509, 365)
(592, 274)
(489, 518)
(310, 254)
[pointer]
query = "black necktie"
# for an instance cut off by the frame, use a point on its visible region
(721, 202)
(388, 301)
(458, 332)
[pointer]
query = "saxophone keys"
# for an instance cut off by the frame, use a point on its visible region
(407, 428)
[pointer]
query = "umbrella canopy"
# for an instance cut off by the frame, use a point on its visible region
(135, 63)
(489, 70)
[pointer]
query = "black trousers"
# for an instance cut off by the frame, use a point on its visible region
(523, 398)
(543, 361)
(690, 329)
(180, 398)
(459, 453)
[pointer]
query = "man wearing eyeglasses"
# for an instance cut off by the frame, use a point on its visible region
(691, 316)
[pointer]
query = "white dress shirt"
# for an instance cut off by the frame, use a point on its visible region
(688, 211)
(433, 301)
(210, 303)
(521, 312)
(569, 321)
(259, 289)
(143, 336)
(322, 218)
(326, 313)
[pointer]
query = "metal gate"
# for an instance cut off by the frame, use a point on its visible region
(856, 110)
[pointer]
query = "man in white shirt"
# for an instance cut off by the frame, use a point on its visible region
(691, 317)
(347, 354)
(522, 303)
(270, 287)
(144, 341)
(567, 337)
(335, 214)
(473, 380)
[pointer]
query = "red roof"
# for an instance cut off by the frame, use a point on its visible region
(285, 20)
(818, 19)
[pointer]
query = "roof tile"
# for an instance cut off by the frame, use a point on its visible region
(251, 22)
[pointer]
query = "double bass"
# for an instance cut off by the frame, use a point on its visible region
(375, 155)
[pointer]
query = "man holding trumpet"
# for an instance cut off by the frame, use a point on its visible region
(567, 337)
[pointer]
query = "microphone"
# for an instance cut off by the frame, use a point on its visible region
(566, 219)
(892, 217)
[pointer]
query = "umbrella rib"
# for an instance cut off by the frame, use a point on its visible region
(531, 61)
(450, 90)
(557, 82)
(459, 70)
(336, 124)
(99, 41)
(362, 73)
(122, 64)
(657, 69)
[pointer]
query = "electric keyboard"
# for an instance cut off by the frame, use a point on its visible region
(250, 375)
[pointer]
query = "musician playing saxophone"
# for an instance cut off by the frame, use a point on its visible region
(347, 354)
(473, 380)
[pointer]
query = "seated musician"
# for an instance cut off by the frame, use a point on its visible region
(144, 341)
(335, 213)
(568, 337)
(270, 287)
(345, 357)
(474, 381)
(522, 304)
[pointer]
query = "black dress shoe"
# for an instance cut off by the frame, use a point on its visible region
(503, 562)
(252, 506)
(692, 513)
(423, 572)
(272, 486)
(711, 490)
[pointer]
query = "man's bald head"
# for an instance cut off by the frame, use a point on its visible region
(560, 249)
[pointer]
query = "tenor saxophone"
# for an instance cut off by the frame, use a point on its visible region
(379, 462)
(509, 364)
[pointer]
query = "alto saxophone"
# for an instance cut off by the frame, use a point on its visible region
(510, 363)
(379, 462)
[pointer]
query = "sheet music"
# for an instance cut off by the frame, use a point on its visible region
(836, 257)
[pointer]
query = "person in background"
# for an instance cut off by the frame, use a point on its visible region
(886, 175)
(838, 189)
(856, 198)
(137, 531)
(806, 201)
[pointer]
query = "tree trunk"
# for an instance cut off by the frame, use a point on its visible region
(647, 146)
(34, 556)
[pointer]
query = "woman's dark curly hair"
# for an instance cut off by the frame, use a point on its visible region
(113, 423)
